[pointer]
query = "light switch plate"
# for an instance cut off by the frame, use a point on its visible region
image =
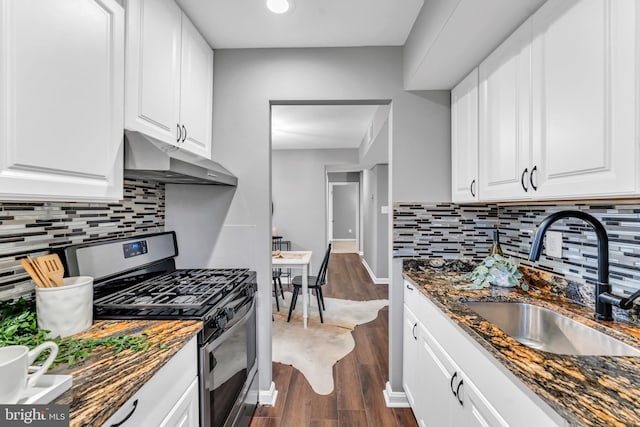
(553, 244)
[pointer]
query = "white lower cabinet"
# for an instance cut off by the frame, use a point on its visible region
(169, 398)
(450, 381)
(185, 412)
(454, 399)
(410, 354)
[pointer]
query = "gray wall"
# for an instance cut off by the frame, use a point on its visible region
(345, 209)
(343, 176)
(300, 196)
(376, 232)
(246, 80)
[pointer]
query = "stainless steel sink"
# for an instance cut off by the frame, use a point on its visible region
(546, 330)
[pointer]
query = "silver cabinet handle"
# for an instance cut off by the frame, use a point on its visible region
(184, 131)
(473, 183)
(179, 133)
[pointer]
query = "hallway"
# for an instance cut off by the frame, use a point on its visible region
(359, 378)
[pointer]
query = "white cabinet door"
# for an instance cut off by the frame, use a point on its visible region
(169, 89)
(61, 100)
(475, 409)
(185, 411)
(440, 378)
(154, 31)
(504, 142)
(196, 93)
(464, 139)
(410, 355)
(585, 86)
(167, 398)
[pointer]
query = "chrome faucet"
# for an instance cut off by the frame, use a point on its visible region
(604, 298)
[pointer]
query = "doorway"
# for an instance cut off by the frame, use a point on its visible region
(344, 216)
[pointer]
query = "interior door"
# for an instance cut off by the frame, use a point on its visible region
(344, 212)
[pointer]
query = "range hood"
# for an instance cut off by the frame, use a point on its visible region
(149, 159)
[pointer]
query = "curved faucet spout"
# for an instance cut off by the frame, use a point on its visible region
(603, 309)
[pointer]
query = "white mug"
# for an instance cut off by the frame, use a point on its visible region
(15, 361)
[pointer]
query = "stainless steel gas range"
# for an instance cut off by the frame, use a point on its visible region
(136, 278)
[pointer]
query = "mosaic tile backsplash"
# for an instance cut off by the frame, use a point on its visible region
(34, 228)
(443, 230)
(464, 231)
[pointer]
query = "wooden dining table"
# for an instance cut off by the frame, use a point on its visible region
(296, 259)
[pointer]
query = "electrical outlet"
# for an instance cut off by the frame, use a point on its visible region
(553, 244)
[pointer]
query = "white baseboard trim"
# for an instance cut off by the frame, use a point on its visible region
(360, 253)
(268, 397)
(395, 399)
(376, 280)
(343, 240)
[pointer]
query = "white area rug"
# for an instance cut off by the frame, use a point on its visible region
(315, 350)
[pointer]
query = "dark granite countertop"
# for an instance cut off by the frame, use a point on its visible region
(585, 390)
(105, 380)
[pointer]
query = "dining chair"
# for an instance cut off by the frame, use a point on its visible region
(276, 245)
(277, 282)
(314, 282)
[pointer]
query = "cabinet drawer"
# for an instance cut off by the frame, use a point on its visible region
(150, 405)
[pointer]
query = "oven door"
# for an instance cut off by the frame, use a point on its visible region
(227, 371)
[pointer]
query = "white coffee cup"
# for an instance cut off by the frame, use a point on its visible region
(15, 363)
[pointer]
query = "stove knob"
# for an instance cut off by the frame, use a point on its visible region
(250, 290)
(221, 321)
(229, 312)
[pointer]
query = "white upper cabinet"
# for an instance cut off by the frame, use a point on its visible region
(464, 139)
(504, 142)
(585, 93)
(559, 106)
(61, 100)
(169, 77)
(154, 32)
(196, 95)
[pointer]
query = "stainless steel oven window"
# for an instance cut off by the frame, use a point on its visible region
(227, 368)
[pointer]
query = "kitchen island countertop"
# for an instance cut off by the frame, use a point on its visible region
(105, 380)
(585, 390)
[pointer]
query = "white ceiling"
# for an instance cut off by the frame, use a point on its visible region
(312, 23)
(319, 126)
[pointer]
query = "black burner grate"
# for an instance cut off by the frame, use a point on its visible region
(180, 289)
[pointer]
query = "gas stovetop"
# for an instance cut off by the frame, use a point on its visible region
(177, 290)
(135, 278)
(180, 294)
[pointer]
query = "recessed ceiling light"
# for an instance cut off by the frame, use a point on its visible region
(280, 6)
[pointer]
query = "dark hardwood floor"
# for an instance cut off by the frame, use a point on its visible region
(359, 377)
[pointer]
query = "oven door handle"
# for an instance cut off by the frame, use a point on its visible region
(231, 329)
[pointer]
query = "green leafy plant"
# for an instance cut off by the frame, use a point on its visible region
(494, 270)
(18, 326)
